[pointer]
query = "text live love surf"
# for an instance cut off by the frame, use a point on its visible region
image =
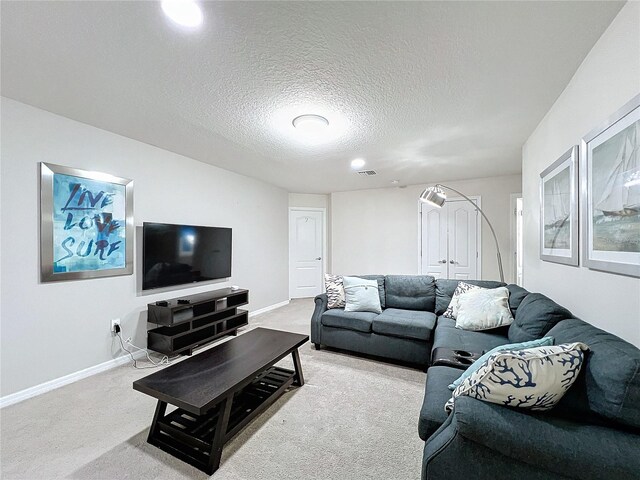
(79, 218)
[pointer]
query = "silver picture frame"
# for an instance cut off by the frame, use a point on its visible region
(610, 193)
(559, 210)
(85, 216)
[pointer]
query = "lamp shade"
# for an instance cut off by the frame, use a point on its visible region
(433, 196)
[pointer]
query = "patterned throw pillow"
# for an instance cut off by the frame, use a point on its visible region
(335, 291)
(452, 309)
(534, 378)
(540, 342)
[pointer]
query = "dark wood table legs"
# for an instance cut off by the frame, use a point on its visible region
(161, 408)
(298, 378)
(218, 439)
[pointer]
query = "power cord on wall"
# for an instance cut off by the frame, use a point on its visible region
(163, 361)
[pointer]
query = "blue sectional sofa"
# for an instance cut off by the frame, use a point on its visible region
(593, 433)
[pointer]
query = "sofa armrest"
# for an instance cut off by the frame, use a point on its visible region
(321, 302)
(556, 444)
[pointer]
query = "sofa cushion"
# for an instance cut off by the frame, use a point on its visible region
(476, 342)
(380, 280)
(535, 316)
(516, 295)
(410, 292)
(446, 287)
(414, 324)
(445, 322)
(609, 384)
(359, 321)
(432, 413)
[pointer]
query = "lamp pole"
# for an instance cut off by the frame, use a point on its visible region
(488, 223)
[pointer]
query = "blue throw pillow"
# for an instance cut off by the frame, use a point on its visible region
(541, 342)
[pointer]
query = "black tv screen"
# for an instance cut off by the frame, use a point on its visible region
(181, 254)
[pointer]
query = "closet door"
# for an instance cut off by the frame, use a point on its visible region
(462, 221)
(434, 258)
(449, 247)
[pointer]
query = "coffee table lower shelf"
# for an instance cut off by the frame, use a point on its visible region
(198, 439)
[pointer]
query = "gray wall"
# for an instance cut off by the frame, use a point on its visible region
(607, 79)
(376, 231)
(51, 330)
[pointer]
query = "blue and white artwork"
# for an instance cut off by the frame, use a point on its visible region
(89, 220)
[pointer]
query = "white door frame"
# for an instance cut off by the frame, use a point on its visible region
(324, 238)
(478, 200)
(513, 239)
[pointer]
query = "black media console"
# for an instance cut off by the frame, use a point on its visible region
(196, 320)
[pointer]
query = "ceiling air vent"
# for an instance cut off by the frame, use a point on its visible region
(367, 173)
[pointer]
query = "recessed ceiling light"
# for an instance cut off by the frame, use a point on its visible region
(186, 13)
(358, 163)
(395, 182)
(310, 124)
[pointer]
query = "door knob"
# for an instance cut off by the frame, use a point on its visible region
(319, 258)
(452, 262)
(442, 261)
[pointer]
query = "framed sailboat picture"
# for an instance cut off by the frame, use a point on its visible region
(559, 210)
(611, 193)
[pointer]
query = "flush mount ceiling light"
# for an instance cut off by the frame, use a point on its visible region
(185, 13)
(310, 124)
(358, 163)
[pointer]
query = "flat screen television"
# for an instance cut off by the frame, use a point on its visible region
(182, 254)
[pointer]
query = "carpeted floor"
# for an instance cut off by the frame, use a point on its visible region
(354, 418)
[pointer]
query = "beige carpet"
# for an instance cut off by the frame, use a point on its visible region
(354, 418)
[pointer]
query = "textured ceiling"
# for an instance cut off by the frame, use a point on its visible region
(425, 91)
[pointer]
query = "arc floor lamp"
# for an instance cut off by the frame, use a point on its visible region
(437, 197)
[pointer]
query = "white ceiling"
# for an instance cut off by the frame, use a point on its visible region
(425, 91)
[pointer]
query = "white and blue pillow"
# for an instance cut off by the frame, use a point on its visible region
(534, 378)
(541, 342)
(463, 287)
(484, 309)
(361, 295)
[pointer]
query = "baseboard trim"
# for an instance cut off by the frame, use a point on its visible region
(268, 309)
(66, 380)
(87, 372)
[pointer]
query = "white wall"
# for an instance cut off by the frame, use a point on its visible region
(309, 200)
(376, 231)
(607, 79)
(54, 329)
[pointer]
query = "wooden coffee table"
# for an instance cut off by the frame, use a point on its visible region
(218, 392)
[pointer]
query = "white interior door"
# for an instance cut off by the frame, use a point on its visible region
(450, 240)
(306, 249)
(434, 241)
(463, 240)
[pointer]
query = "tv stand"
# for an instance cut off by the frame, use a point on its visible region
(206, 317)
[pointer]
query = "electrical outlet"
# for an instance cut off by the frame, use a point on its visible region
(114, 322)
